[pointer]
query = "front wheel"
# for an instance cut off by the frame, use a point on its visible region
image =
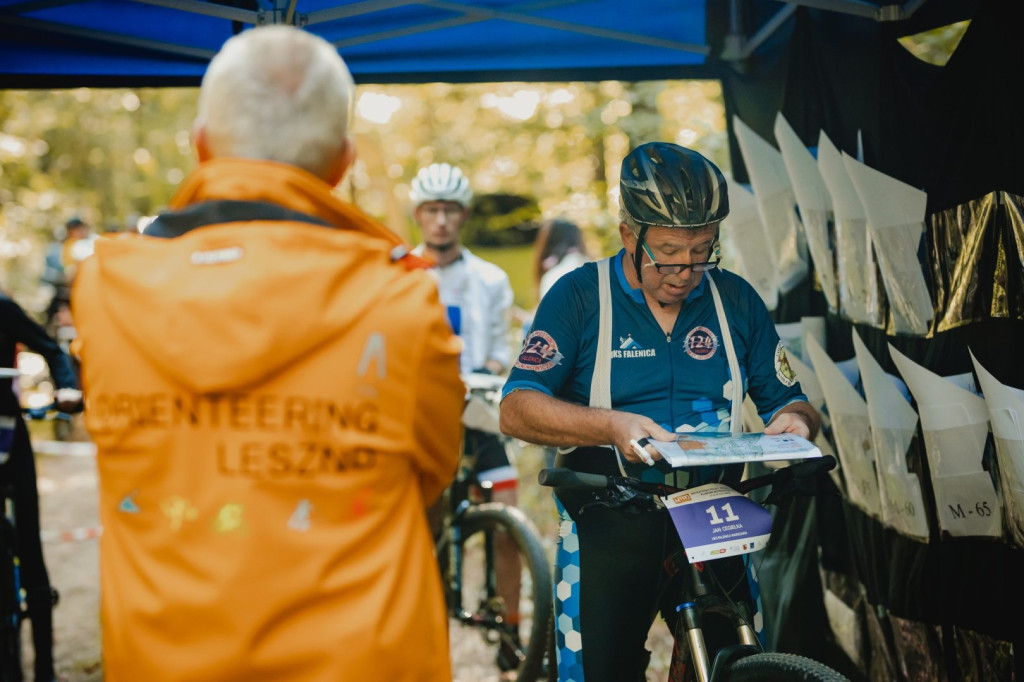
(505, 596)
(779, 668)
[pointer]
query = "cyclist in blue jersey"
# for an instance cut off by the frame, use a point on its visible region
(653, 341)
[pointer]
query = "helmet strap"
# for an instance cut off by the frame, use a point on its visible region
(638, 254)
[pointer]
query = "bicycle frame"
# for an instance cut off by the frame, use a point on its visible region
(458, 503)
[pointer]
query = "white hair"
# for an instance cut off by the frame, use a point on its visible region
(277, 93)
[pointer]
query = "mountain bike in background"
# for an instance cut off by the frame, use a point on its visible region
(472, 528)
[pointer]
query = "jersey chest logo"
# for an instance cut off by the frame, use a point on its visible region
(628, 348)
(540, 352)
(700, 343)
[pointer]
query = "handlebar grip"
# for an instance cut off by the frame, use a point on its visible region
(38, 412)
(567, 478)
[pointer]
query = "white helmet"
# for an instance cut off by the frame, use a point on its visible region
(440, 182)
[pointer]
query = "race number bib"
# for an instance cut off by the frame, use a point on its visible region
(714, 521)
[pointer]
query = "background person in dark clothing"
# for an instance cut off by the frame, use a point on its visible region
(18, 467)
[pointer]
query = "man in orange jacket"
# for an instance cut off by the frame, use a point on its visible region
(274, 393)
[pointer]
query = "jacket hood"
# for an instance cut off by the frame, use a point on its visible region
(240, 301)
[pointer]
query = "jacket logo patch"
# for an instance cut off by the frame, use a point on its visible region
(700, 343)
(178, 511)
(783, 370)
(217, 256)
(540, 352)
(229, 518)
(300, 517)
(128, 504)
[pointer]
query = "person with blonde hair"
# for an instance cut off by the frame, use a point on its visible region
(274, 393)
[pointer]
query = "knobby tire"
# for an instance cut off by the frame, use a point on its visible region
(780, 667)
(491, 518)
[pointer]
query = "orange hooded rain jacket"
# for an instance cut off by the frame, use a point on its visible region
(275, 401)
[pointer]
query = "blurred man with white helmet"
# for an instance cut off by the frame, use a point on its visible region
(478, 297)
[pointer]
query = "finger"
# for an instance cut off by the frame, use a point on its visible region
(637, 446)
(657, 432)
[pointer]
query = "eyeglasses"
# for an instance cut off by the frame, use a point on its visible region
(676, 268)
(450, 209)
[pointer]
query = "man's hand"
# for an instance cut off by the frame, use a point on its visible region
(628, 427)
(800, 419)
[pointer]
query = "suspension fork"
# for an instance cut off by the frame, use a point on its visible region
(743, 630)
(689, 613)
(690, 620)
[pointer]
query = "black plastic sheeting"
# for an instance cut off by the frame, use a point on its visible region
(976, 255)
(950, 131)
(944, 610)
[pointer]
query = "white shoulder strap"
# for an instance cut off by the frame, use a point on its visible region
(601, 382)
(736, 423)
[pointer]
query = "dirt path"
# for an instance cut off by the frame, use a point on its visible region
(69, 519)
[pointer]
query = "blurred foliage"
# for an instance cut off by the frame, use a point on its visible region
(108, 156)
(517, 261)
(114, 155)
(501, 220)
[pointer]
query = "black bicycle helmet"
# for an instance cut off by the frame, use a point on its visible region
(665, 185)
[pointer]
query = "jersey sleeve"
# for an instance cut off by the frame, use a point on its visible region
(550, 348)
(23, 329)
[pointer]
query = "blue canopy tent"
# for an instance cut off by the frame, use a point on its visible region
(71, 43)
(46, 43)
(831, 66)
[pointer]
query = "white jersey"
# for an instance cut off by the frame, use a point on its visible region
(478, 297)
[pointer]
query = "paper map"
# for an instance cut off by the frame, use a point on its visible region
(691, 449)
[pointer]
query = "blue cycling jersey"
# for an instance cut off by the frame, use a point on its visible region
(680, 380)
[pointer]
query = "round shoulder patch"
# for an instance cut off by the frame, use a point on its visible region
(783, 370)
(700, 343)
(540, 352)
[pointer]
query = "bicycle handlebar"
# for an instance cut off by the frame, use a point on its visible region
(798, 478)
(39, 412)
(43, 411)
(567, 478)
